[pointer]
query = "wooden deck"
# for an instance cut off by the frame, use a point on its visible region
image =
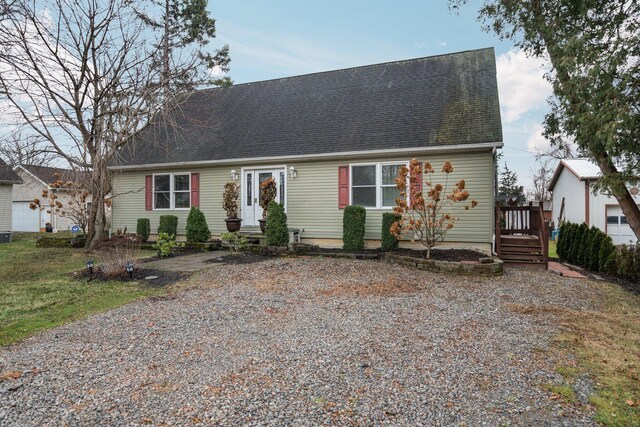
(521, 235)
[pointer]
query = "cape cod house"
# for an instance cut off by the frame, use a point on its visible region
(329, 139)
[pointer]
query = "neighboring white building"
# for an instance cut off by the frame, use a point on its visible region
(8, 178)
(34, 180)
(574, 200)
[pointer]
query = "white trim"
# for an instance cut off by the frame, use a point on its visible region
(254, 178)
(171, 191)
(378, 184)
(346, 154)
(34, 176)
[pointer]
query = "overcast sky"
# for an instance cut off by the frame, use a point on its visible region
(280, 38)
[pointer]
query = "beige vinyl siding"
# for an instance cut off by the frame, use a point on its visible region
(312, 200)
(129, 201)
(5, 207)
(312, 197)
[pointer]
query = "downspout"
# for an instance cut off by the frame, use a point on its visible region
(586, 202)
(493, 204)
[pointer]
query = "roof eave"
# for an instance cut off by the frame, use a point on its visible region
(324, 156)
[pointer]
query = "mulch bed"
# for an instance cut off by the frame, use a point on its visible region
(164, 278)
(436, 254)
(444, 254)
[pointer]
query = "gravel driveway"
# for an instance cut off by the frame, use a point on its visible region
(306, 341)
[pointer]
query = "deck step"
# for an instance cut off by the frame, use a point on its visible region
(525, 263)
(516, 241)
(521, 257)
(520, 248)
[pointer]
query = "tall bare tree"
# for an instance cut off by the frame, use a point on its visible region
(80, 74)
(540, 175)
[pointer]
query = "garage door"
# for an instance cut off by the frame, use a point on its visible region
(25, 219)
(618, 228)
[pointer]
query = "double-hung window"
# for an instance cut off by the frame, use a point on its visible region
(172, 191)
(374, 185)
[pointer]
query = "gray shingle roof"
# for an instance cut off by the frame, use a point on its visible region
(439, 100)
(7, 175)
(49, 175)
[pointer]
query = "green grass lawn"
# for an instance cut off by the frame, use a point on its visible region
(37, 292)
(552, 249)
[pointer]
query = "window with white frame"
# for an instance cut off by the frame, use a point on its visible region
(172, 191)
(374, 185)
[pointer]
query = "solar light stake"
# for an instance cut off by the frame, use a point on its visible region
(90, 266)
(129, 269)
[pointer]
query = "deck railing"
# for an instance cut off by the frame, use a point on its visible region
(522, 220)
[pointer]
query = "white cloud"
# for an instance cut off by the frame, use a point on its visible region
(441, 43)
(537, 142)
(521, 84)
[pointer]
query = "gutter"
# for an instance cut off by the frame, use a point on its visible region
(324, 156)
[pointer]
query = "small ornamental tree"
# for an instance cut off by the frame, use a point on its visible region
(268, 192)
(277, 233)
(67, 199)
(230, 199)
(428, 218)
(197, 228)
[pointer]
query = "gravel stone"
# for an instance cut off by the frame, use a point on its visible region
(305, 341)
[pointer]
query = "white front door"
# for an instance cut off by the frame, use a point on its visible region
(251, 180)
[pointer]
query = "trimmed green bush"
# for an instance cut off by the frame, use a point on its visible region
(353, 222)
(594, 251)
(143, 228)
(566, 238)
(606, 249)
(168, 225)
(276, 232)
(388, 241)
(628, 262)
(561, 239)
(584, 249)
(197, 228)
(578, 241)
(611, 263)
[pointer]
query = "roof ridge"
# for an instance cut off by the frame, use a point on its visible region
(348, 68)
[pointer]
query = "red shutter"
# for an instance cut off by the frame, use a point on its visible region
(343, 186)
(195, 190)
(148, 193)
(415, 185)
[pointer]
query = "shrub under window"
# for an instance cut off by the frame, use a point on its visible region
(197, 228)
(353, 223)
(168, 225)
